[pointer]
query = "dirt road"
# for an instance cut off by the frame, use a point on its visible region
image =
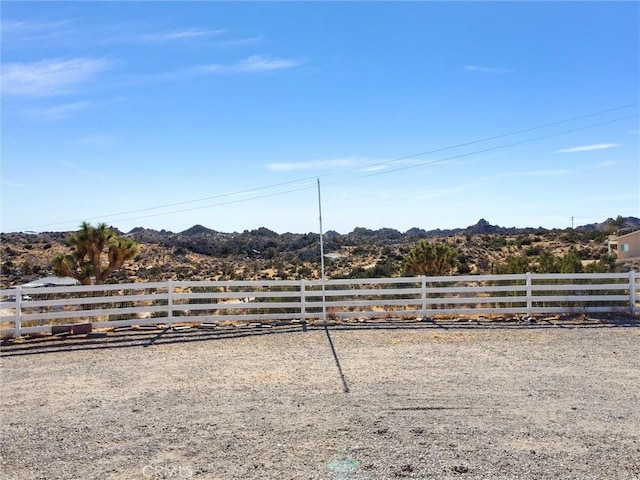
(468, 403)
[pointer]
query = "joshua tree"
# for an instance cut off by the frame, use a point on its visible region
(96, 252)
(426, 259)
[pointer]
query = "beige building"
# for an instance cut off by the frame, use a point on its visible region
(626, 246)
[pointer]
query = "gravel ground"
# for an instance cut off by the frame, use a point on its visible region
(424, 402)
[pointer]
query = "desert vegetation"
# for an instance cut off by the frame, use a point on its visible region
(96, 252)
(200, 253)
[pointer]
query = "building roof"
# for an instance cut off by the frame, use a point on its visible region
(628, 234)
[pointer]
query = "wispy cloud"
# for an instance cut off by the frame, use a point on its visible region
(607, 164)
(213, 37)
(535, 173)
(253, 64)
(88, 174)
(55, 112)
(373, 168)
(50, 77)
(182, 34)
(237, 42)
(97, 140)
(587, 148)
(18, 32)
(316, 164)
(14, 184)
(488, 70)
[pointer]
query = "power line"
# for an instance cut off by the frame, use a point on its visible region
(230, 202)
(499, 147)
(375, 164)
(222, 195)
(495, 137)
(310, 185)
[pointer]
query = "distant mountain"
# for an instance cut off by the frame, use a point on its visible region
(206, 241)
(148, 231)
(622, 224)
(197, 230)
(203, 253)
(254, 243)
(483, 227)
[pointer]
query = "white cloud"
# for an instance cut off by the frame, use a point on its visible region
(14, 185)
(49, 77)
(373, 168)
(259, 63)
(491, 70)
(317, 164)
(607, 164)
(17, 32)
(535, 173)
(240, 41)
(253, 64)
(55, 112)
(184, 34)
(88, 174)
(98, 140)
(587, 148)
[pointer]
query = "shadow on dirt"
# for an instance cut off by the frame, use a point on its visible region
(156, 337)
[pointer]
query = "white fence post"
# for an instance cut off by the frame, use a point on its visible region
(170, 303)
(529, 295)
(303, 313)
(485, 294)
(632, 291)
(424, 297)
(18, 320)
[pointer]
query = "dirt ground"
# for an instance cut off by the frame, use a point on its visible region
(424, 401)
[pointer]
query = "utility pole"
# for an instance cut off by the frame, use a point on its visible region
(324, 303)
(345, 386)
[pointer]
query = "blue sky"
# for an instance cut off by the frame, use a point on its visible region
(418, 114)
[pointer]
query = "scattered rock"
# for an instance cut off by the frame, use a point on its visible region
(460, 469)
(404, 471)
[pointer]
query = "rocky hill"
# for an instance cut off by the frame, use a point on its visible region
(200, 253)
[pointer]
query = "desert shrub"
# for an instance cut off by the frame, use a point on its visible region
(304, 271)
(428, 259)
(606, 264)
(547, 262)
(463, 267)
(533, 250)
(570, 262)
(523, 241)
(513, 264)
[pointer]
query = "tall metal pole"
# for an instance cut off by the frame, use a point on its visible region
(324, 303)
(345, 386)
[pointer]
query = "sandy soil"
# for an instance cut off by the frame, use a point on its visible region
(425, 402)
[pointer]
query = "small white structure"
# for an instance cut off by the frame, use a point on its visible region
(53, 282)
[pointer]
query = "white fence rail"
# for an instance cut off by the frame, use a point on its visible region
(82, 308)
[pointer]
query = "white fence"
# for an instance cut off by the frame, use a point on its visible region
(82, 308)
